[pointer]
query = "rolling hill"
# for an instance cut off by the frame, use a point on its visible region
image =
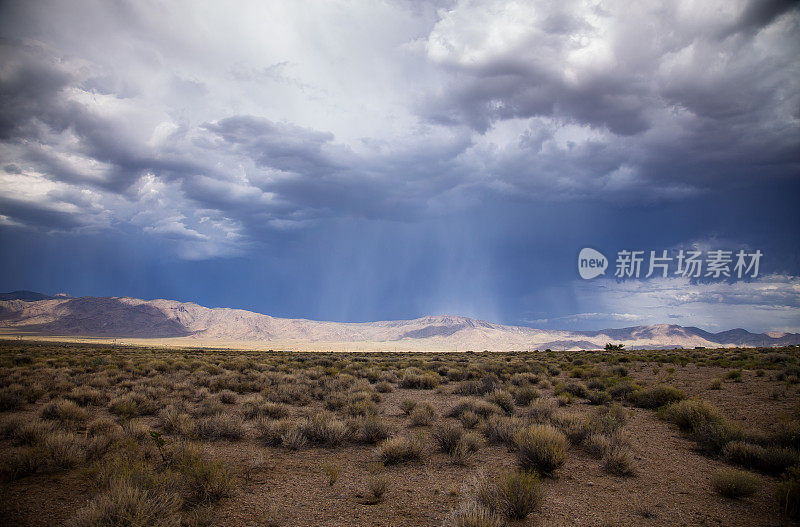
(34, 314)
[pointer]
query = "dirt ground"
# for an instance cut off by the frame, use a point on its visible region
(277, 487)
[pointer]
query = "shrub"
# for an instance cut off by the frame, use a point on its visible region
(576, 389)
(541, 410)
(503, 399)
(254, 408)
(502, 429)
(772, 460)
(384, 387)
(223, 426)
(464, 449)
(425, 381)
(689, 414)
(23, 431)
(126, 504)
(64, 411)
(598, 397)
(86, 395)
(734, 483)
(597, 445)
(519, 493)
(618, 461)
(788, 492)
(371, 430)
(333, 471)
(541, 448)
(447, 436)
(472, 514)
(407, 406)
(607, 419)
(524, 395)
(787, 434)
(469, 419)
(227, 397)
(63, 449)
(10, 400)
(400, 449)
(18, 463)
(204, 480)
(133, 405)
(712, 436)
(623, 390)
(422, 415)
(477, 406)
(734, 375)
(293, 439)
(655, 396)
(376, 487)
(271, 431)
(574, 427)
(324, 428)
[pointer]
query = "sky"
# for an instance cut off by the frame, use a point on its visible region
(376, 160)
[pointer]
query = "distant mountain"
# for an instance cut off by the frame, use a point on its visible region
(24, 295)
(26, 312)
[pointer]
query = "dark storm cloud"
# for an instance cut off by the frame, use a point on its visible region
(480, 103)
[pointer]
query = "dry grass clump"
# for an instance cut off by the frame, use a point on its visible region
(469, 419)
(734, 483)
(10, 399)
(502, 399)
(400, 449)
(770, 459)
(453, 440)
(86, 395)
(788, 492)
(133, 405)
(574, 426)
(64, 411)
(126, 504)
(542, 448)
(597, 445)
(477, 406)
(473, 514)
(425, 381)
(541, 410)
(655, 396)
(514, 494)
(423, 414)
(377, 485)
(324, 428)
(222, 426)
(370, 429)
(618, 460)
(271, 431)
(689, 414)
(502, 429)
(407, 406)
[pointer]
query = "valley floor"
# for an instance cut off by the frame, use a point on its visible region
(255, 438)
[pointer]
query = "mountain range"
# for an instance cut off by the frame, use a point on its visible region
(189, 324)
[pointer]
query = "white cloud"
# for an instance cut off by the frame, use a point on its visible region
(770, 302)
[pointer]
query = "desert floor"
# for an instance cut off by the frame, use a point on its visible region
(258, 438)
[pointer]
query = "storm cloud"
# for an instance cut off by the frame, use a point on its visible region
(222, 132)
